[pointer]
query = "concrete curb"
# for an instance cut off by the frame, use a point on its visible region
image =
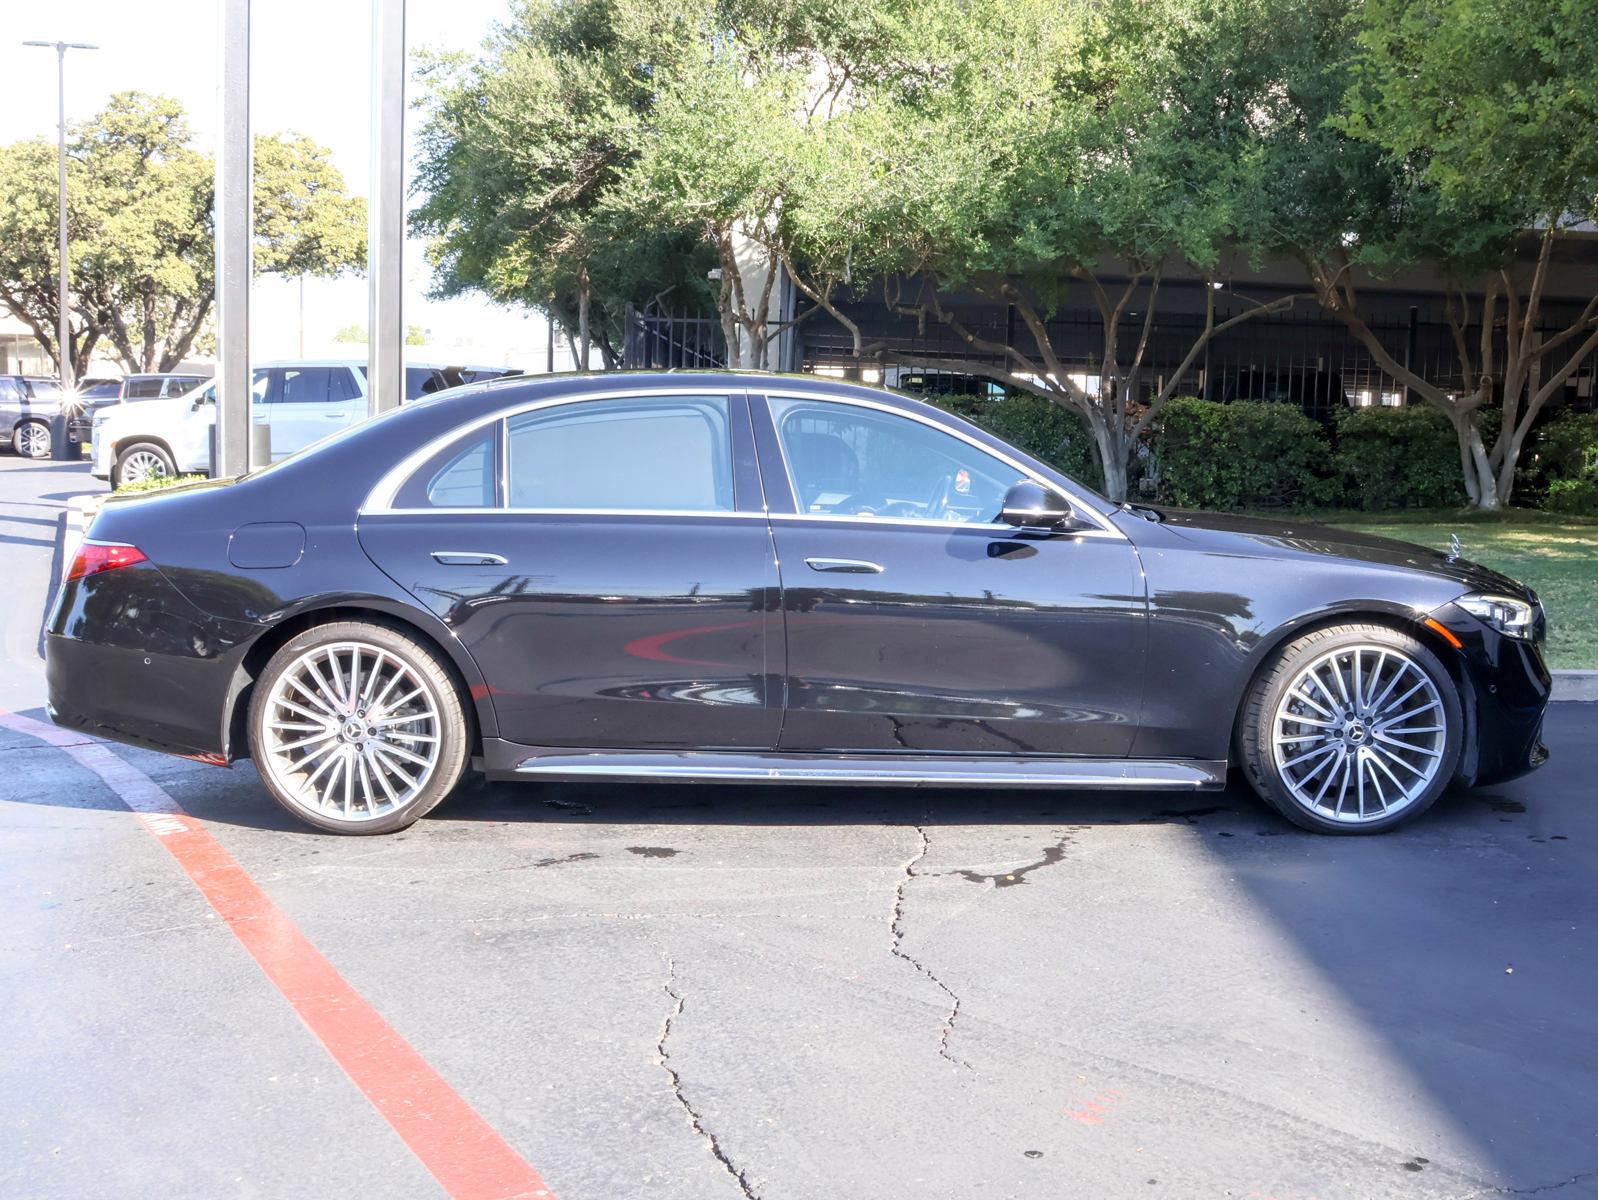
(1568, 685)
(1576, 685)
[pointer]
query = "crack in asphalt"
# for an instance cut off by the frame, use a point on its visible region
(896, 929)
(663, 1057)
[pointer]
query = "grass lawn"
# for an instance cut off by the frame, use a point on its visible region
(1558, 556)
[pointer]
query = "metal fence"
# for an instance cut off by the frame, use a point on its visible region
(669, 341)
(1304, 356)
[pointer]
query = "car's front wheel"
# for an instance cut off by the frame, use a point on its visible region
(31, 439)
(1353, 729)
(139, 461)
(357, 728)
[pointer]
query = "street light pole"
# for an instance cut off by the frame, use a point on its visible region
(64, 323)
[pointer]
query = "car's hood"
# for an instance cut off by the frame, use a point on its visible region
(1299, 537)
(146, 412)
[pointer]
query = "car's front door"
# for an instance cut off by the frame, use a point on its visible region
(914, 621)
(607, 564)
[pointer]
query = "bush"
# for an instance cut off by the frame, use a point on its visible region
(1564, 462)
(1246, 454)
(1575, 497)
(157, 483)
(1040, 427)
(1398, 458)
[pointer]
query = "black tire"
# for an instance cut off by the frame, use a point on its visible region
(168, 468)
(1257, 719)
(453, 724)
(36, 429)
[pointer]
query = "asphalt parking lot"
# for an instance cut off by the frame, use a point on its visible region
(672, 991)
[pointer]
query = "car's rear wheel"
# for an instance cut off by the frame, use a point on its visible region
(1354, 729)
(357, 728)
(31, 439)
(139, 461)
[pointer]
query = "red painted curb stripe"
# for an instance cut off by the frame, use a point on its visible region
(461, 1150)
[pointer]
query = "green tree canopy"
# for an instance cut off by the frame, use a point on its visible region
(139, 217)
(519, 153)
(1457, 136)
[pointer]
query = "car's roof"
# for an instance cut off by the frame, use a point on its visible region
(361, 362)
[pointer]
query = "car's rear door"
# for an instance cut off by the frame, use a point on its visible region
(305, 404)
(914, 621)
(607, 563)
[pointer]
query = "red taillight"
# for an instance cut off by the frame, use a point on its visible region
(95, 557)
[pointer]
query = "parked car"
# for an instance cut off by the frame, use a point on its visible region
(98, 389)
(27, 403)
(160, 384)
(719, 576)
(302, 402)
(104, 393)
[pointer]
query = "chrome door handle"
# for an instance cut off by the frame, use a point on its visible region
(847, 566)
(467, 558)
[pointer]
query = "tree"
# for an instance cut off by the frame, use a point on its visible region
(1452, 135)
(139, 217)
(745, 103)
(1047, 148)
(1492, 107)
(520, 152)
(415, 335)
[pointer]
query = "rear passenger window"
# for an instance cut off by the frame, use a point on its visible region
(651, 454)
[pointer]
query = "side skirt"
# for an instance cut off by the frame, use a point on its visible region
(506, 760)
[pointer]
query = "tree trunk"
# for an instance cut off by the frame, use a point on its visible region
(583, 337)
(1480, 484)
(1111, 444)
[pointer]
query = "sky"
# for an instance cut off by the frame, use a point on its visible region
(310, 74)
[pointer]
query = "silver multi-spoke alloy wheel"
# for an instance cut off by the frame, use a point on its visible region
(1352, 728)
(32, 440)
(1359, 734)
(142, 464)
(351, 732)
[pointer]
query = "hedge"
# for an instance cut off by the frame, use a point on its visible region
(1246, 454)
(1262, 454)
(1565, 464)
(1392, 458)
(1040, 427)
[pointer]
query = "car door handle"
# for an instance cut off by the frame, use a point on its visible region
(847, 566)
(467, 558)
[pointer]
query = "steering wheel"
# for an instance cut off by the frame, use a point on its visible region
(938, 501)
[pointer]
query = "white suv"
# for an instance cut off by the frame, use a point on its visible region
(301, 402)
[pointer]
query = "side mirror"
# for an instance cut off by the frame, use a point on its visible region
(1029, 505)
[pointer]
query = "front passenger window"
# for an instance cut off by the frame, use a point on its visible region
(848, 460)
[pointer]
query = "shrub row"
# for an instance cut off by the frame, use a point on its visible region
(1562, 471)
(1253, 454)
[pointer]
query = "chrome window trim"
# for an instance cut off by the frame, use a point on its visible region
(1078, 506)
(569, 512)
(381, 498)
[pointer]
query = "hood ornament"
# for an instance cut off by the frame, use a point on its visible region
(1454, 547)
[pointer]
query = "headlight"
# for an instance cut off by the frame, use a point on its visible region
(100, 418)
(1504, 613)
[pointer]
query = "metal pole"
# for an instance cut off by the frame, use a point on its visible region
(63, 293)
(385, 368)
(64, 326)
(234, 169)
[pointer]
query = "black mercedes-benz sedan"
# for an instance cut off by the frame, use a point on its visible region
(754, 577)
